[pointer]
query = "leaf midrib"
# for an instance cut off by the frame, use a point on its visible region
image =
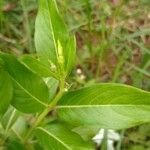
(44, 67)
(56, 138)
(51, 27)
(36, 99)
(10, 119)
(101, 105)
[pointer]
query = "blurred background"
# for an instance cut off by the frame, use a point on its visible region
(113, 45)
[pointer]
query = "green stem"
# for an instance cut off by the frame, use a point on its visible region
(120, 141)
(46, 111)
(104, 142)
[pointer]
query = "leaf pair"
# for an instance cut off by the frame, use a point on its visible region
(107, 105)
(110, 106)
(103, 105)
(56, 47)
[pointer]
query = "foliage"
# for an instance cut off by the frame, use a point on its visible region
(38, 109)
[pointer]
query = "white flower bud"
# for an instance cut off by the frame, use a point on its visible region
(79, 71)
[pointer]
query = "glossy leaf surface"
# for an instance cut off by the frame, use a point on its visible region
(112, 106)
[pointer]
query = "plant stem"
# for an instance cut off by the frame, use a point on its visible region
(104, 142)
(120, 141)
(46, 111)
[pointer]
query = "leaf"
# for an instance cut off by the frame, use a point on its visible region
(37, 67)
(9, 118)
(14, 144)
(58, 137)
(53, 86)
(111, 106)
(6, 91)
(71, 54)
(30, 92)
(20, 127)
(87, 133)
(52, 40)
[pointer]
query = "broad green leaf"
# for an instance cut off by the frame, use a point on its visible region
(112, 106)
(30, 92)
(6, 91)
(58, 137)
(37, 67)
(52, 40)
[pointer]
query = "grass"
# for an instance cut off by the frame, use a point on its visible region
(113, 44)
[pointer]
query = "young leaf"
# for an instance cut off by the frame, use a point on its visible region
(6, 91)
(30, 93)
(52, 40)
(112, 106)
(58, 137)
(53, 86)
(37, 67)
(71, 53)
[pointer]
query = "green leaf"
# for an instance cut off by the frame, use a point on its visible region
(37, 67)
(20, 127)
(112, 106)
(9, 118)
(58, 137)
(86, 132)
(52, 40)
(71, 54)
(52, 84)
(6, 91)
(14, 144)
(30, 93)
